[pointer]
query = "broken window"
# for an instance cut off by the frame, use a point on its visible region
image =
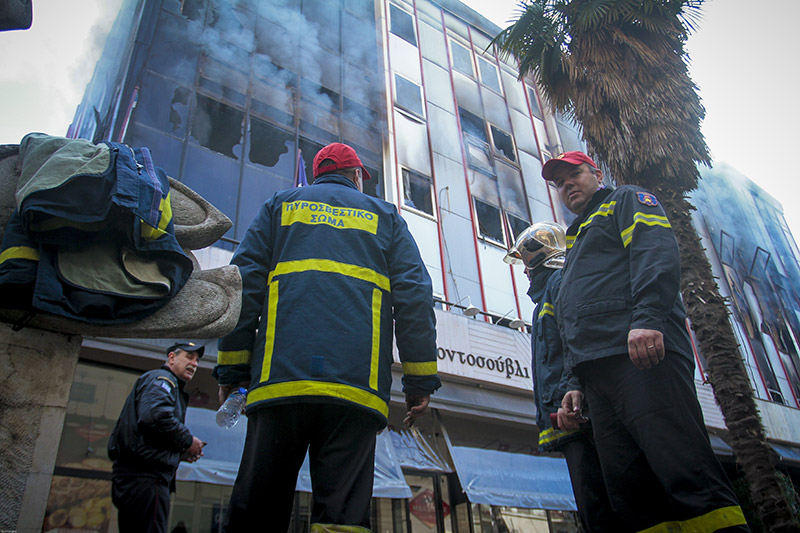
(472, 125)
(490, 225)
(517, 226)
(193, 9)
(268, 143)
(217, 126)
(319, 95)
(488, 74)
(462, 59)
(417, 191)
(478, 157)
(408, 95)
(503, 143)
(402, 24)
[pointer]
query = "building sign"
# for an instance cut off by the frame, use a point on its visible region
(474, 349)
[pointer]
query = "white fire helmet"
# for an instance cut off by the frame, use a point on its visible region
(541, 243)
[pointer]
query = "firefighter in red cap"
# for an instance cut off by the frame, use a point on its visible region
(623, 327)
(327, 272)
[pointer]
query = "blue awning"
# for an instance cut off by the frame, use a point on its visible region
(789, 454)
(220, 462)
(513, 479)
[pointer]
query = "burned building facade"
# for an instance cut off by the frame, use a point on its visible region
(234, 98)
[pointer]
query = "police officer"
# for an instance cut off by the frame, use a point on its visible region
(624, 331)
(540, 249)
(150, 439)
(326, 271)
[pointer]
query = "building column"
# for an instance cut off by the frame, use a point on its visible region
(37, 371)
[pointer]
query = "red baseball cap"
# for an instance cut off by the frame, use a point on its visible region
(342, 156)
(573, 158)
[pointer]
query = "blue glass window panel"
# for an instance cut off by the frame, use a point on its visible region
(257, 187)
(166, 150)
(163, 105)
(214, 177)
(402, 24)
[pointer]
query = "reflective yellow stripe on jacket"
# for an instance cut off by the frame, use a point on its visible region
(330, 266)
(713, 521)
(19, 252)
(603, 211)
(318, 388)
(642, 218)
(165, 210)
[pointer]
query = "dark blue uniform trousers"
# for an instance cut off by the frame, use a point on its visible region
(142, 503)
(653, 446)
(340, 440)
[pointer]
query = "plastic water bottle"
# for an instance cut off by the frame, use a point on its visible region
(230, 411)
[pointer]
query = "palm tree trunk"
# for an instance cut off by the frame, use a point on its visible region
(709, 317)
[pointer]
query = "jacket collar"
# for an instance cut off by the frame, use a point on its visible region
(181, 383)
(335, 178)
(597, 198)
(538, 282)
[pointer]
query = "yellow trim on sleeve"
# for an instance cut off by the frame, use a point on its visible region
(428, 368)
(547, 309)
(291, 389)
(327, 265)
(552, 434)
(712, 521)
(642, 218)
(19, 252)
(239, 357)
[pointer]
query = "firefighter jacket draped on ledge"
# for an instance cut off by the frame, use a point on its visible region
(92, 238)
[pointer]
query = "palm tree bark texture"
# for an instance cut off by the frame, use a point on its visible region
(618, 67)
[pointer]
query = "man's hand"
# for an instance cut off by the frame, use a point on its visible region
(193, 452)
(645, 347)
(226, 390)
(569, 414)
(417, 404)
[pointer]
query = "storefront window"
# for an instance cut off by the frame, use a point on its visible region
(495, 519)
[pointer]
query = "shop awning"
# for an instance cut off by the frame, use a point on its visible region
(413, 451)
(513, 479)
(789, 454)
(222, 454)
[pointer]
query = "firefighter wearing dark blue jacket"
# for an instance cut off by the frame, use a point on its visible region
(624, 332)
(540, 249)
(150, 439)
(326, 271)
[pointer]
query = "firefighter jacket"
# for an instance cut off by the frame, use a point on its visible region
(150, 435)
(326, 270)
(622, 272)
(92, 238)
(550, 381)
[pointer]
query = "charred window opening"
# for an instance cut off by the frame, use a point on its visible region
(462, 59)
(402, 24)
(180, 97)
(267, 143)
(217, 126)
(503, 143)
(490, 225)
(489, 74)
(408, 95)
(472, 125)
(517, 225)
(193, 9)
(417, 191)
(374, 186)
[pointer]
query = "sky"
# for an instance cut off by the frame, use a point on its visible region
(742, 58)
